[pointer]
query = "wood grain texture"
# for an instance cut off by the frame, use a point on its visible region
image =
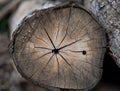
(60, 47)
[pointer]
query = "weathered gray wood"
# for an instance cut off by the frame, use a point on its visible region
(60, 47)
(108, 14)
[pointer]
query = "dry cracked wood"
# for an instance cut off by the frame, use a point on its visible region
(60, 47)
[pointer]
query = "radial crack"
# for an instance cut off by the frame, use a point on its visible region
(66, 28)
(39, 61)
(47, 34)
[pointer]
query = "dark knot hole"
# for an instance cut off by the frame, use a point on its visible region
(84, 52)
(55, 51)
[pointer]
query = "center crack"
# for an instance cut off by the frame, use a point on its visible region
(55, 51)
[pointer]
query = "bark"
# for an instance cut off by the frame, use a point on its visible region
(107, 12)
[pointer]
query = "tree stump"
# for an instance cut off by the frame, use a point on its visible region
(61, 47)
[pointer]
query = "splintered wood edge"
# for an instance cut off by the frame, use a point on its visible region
(18, 30)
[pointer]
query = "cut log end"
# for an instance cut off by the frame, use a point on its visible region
(60, 47)
(108, 14)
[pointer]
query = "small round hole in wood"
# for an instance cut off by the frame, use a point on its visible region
(84, 52)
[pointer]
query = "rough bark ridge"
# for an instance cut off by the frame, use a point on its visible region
(108, 14)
